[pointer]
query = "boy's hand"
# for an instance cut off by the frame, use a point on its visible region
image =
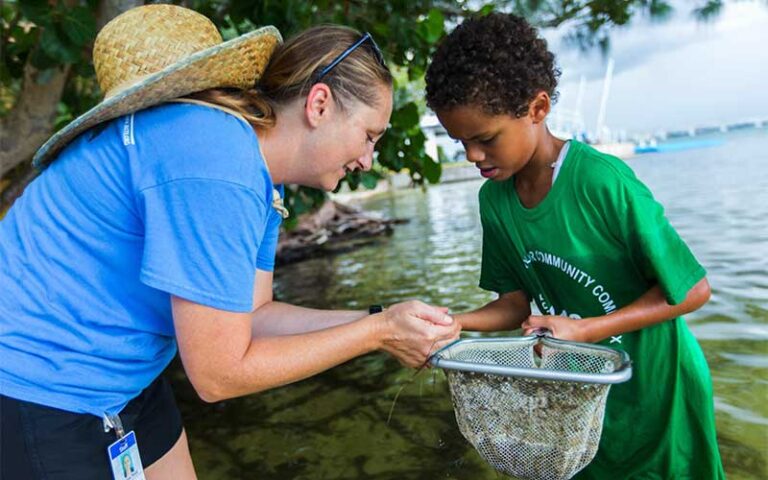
(563, 328)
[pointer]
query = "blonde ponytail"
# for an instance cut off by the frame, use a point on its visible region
(292, 67)
(251, 104)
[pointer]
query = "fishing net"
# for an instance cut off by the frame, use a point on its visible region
(531, 416)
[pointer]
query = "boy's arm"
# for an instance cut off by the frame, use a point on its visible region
(505, 313)
(651, 308)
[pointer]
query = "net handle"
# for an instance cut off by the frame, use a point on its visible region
(620, 375)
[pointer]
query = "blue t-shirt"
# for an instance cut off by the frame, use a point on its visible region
(175, 199)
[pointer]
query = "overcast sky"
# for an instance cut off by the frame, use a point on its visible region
(676, 74)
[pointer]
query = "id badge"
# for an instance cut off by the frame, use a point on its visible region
(124, 459)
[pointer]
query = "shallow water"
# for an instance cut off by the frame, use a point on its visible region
(334, 425)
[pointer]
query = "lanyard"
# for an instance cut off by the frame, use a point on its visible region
(113, 422)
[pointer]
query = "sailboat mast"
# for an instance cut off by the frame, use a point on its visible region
(604, 101)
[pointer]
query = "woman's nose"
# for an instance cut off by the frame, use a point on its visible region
(366, 161)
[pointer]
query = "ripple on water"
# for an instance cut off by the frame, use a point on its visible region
(716, 198)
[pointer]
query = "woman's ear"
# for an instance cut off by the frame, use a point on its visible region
(318, 104)
(539, 107)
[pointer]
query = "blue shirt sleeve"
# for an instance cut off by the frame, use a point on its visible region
(202, 241)
(268, 247)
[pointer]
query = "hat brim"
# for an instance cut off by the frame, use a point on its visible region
(237, 63)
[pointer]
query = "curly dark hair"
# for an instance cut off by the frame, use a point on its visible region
(496, 62)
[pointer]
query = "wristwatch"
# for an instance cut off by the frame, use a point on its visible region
(375, 309)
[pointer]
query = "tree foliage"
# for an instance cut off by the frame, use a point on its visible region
(45, 38)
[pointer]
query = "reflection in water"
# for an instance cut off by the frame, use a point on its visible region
(334, 425)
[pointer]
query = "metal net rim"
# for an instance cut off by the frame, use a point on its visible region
(616, 369)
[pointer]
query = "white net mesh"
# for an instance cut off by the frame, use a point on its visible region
(531, 428)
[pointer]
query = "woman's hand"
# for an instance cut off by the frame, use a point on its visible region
(563, 328)
(412, 331)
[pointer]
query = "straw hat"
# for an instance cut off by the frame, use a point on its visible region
(154, 53)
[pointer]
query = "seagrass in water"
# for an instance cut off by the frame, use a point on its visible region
(532, 428)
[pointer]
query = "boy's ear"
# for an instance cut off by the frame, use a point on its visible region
(539, 107)
(318, 103)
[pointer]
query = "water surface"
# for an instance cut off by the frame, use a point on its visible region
(334, 426)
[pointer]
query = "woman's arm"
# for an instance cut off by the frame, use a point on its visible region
(505, 313)
(277, 318)
(223, 360)
(651, 308)
(272, 318)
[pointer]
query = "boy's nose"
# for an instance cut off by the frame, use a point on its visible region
(474, 154)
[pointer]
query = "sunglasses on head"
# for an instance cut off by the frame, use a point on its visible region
(365, 38)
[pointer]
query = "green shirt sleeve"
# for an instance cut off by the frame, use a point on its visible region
(496, 272)
(653, 244)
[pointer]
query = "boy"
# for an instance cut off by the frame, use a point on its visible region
(575, 231)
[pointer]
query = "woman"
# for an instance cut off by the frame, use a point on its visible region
(158, 228)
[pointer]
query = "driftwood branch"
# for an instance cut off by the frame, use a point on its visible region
(334, 228)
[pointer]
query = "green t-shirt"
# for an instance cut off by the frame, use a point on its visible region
(597, 242)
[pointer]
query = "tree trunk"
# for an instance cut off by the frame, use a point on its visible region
(109, 9)
(31, 120)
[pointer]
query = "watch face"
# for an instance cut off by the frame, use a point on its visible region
(375, 309)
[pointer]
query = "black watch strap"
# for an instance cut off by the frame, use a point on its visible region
(375, 309)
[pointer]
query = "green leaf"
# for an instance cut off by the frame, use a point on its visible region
(380, 32)
(36, 11)
(300, 199)
(435, 26)
(369, 180)
(660, 10)
(431, 169)
(56, 48)
(6, 77)
(6, 12)
(84, 69)
(79, 25)
(489, 8)
(291, 222)
(23, 41)
(41, 60)
(353, 180)
(63, 116)
(417, 139)
(228, 29)
(415, 72)
(406, 116)
(708, 11)
(441, 156)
